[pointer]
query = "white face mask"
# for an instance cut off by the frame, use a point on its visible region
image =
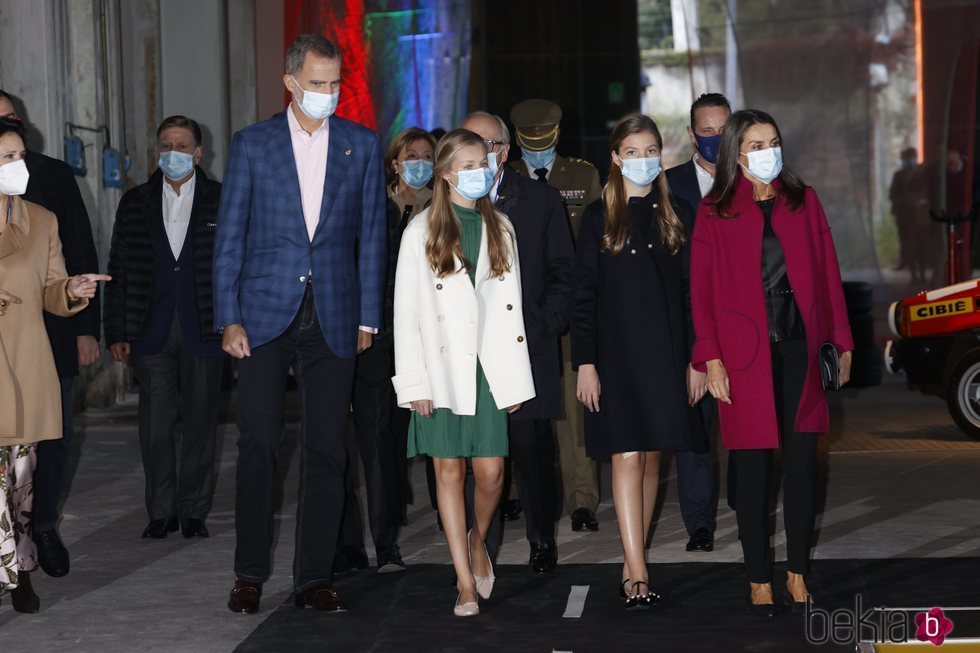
(318, 106)
(764, 165)
(13, 178)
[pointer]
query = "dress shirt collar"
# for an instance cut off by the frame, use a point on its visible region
(294, 125)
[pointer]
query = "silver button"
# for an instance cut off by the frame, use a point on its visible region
(649, 245)
(654, 205)
(632, 251)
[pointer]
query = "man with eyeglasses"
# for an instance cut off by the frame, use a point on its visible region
(159, 315)
(546, 252)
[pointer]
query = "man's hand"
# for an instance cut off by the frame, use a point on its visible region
(88, 350)
(234, 341)
(364, 340)
(120, 351)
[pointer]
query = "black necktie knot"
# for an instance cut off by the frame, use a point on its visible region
(542, 174)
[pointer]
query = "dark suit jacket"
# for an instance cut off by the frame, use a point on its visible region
(132, 258)
(683, 182)
(544, 245)
(53, 186)
(262, 253)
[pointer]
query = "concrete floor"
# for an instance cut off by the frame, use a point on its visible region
(902, 483)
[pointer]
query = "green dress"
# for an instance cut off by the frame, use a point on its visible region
(445, 434)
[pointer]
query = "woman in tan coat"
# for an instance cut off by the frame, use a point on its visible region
(32, 280)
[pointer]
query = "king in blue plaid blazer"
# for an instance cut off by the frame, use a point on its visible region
(262, 253)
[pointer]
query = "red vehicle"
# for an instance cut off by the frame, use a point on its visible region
(939, 348)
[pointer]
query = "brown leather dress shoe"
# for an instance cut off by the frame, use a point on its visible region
(244, 597)
(322, 598)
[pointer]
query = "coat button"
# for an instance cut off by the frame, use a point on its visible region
(520, 338)
(654, 205)
(510, 307)
(441, 318)
(177, 269)
(501, 277)
(438, 286)
(632, 251)
(444, 349)
(649, 245)
(302, 279)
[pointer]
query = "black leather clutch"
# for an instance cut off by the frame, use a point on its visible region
(829, 361)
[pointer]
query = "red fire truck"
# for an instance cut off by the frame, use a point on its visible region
(938, 348)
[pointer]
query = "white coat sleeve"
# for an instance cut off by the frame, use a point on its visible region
(411, 381)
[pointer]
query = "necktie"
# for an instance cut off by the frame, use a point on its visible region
(542, 174)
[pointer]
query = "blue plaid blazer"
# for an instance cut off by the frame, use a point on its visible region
(262, 253)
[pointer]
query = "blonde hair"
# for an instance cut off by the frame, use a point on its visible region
(443, 245)
(618, 219)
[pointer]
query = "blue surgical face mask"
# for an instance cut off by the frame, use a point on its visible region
(176, 165)
(643, 171)
(492, 163)
(318, 106)
(764, 165)
(473, 184)
(538, 159)
(708, 147)
(416, 173)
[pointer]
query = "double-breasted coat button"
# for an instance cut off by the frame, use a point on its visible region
(438, 286)
(520, 338)
(632, 251)
(500, 278)
(444, 348)
(510, 307)
(441, 318)
(649, 245)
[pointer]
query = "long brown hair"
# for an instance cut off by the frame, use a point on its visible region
(793, 188)
(400, 141)
(618, 220)
(442, 246)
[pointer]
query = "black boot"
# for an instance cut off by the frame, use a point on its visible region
(23, 597)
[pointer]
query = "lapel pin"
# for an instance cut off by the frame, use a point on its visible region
(347, 152)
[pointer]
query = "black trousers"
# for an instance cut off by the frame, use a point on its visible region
(533, 454)
(324, 385)
(754, 472)
(174, 383)
(377, 430)
(52, 457)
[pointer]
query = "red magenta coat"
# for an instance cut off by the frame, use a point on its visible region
(729, 309)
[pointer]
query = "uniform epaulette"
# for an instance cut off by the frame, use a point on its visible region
(574, 160)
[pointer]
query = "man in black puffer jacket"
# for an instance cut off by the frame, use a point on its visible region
(158, 313)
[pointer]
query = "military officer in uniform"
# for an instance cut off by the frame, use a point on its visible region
(537, 123)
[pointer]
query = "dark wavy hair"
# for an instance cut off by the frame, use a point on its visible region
(8, 125)
(727, 169)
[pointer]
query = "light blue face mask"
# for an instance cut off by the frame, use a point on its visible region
(539, 159)
(176, 165)
(764, 165)
(318, 106)
(492, 163)
(473, 184)
(643, 171)
(416, 173)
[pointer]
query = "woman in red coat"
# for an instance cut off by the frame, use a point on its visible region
(766, 293)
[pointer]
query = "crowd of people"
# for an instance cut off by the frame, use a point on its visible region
(500, 316)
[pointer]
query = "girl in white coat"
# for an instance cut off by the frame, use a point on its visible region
(461, 359)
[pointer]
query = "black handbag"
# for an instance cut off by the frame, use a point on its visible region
(829, 361)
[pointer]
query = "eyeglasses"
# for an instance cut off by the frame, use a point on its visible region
(492, 144)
